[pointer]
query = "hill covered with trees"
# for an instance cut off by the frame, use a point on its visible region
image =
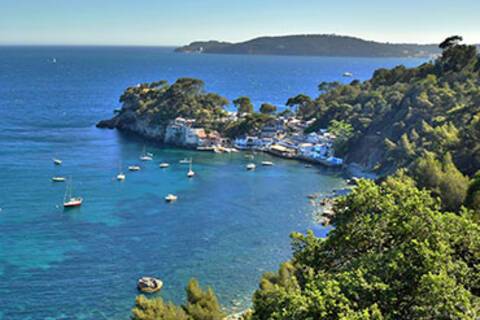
(313, 45)
(405, 247)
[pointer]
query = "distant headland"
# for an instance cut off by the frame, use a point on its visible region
(313, 45)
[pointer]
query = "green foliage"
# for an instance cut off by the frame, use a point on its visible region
(157, 309)
(434, 107)
(392, 255)
(158, 102)
(343, 132)
(201, 305)
(267, 108)
(442, 178)
(243, 104)
(247, 125)
(472, 199)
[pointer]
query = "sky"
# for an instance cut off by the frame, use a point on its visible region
(177, 22)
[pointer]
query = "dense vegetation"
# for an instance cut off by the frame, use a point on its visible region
(158, 103)
(201, 305)
(313, 45)
(408, 246)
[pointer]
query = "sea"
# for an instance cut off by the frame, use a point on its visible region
(227, 227)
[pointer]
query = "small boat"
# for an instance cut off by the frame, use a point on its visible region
(190, 172)
(59, 179)
(312, 196)
(249, 156)
(121, 176)
(267, 163)
(57, 161)
(348, 74)
(70, 201)
(149, 284)
(54, 60)
(134, 168)
(251, 166)
(171, 198)
(184, 161)
(164, 165)
(146, 156)
(307, 165)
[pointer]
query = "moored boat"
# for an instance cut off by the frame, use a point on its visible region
(121, 176)
(251, 166)
(190, 172)
(171, 198)
(184, 161)
(58, 179)
(164, 165)
(267, 163)
(57, 161)
(134, 168)
(70, 201)
(149, 284)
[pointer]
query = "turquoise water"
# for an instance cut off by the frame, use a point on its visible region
(228, 226)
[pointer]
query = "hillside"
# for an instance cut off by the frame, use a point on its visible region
(313, 45)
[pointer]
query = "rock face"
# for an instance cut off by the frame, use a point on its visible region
(172, 133)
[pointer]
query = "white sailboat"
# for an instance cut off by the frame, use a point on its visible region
(190, 172)
(70, 201)
(121, 176)
(146, 156)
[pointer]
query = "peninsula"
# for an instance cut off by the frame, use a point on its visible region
(313, 45)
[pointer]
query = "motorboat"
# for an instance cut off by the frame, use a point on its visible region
(149, 284)
(251, 166)
(59, 179)
(171, 198)
(164, 165)
(267, 163)
(134, 168)
(57, 161)
(184, 161)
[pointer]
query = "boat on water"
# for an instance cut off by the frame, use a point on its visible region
(171, 198)
(70, 201)
(184, 161)
(164, 165)
(190, 172)
(348, 74)
(267, 163)
(251, 166)
(59, 179)
(149, 284)
(134, 168)
(121, 176)
(308, 165)
(146, 156)
(57, 161)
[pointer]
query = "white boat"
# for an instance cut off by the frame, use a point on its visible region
(164, 165)
(134, 168)
(251, 166)
(57, 161)
(348, 74)
(146, 156)
(267, 163)
(184, 161)
(58, 179)
(171, 198)
(121, 176)
(149, 285)
(54, 60)
(190, 172)
(70, 201)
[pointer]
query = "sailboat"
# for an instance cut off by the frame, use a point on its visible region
(146, 156)
(121, 176)
(70, 201)
(190, 172)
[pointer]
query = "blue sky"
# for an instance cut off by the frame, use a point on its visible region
(159, 22)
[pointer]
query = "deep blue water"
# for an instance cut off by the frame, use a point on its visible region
(228, 226)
